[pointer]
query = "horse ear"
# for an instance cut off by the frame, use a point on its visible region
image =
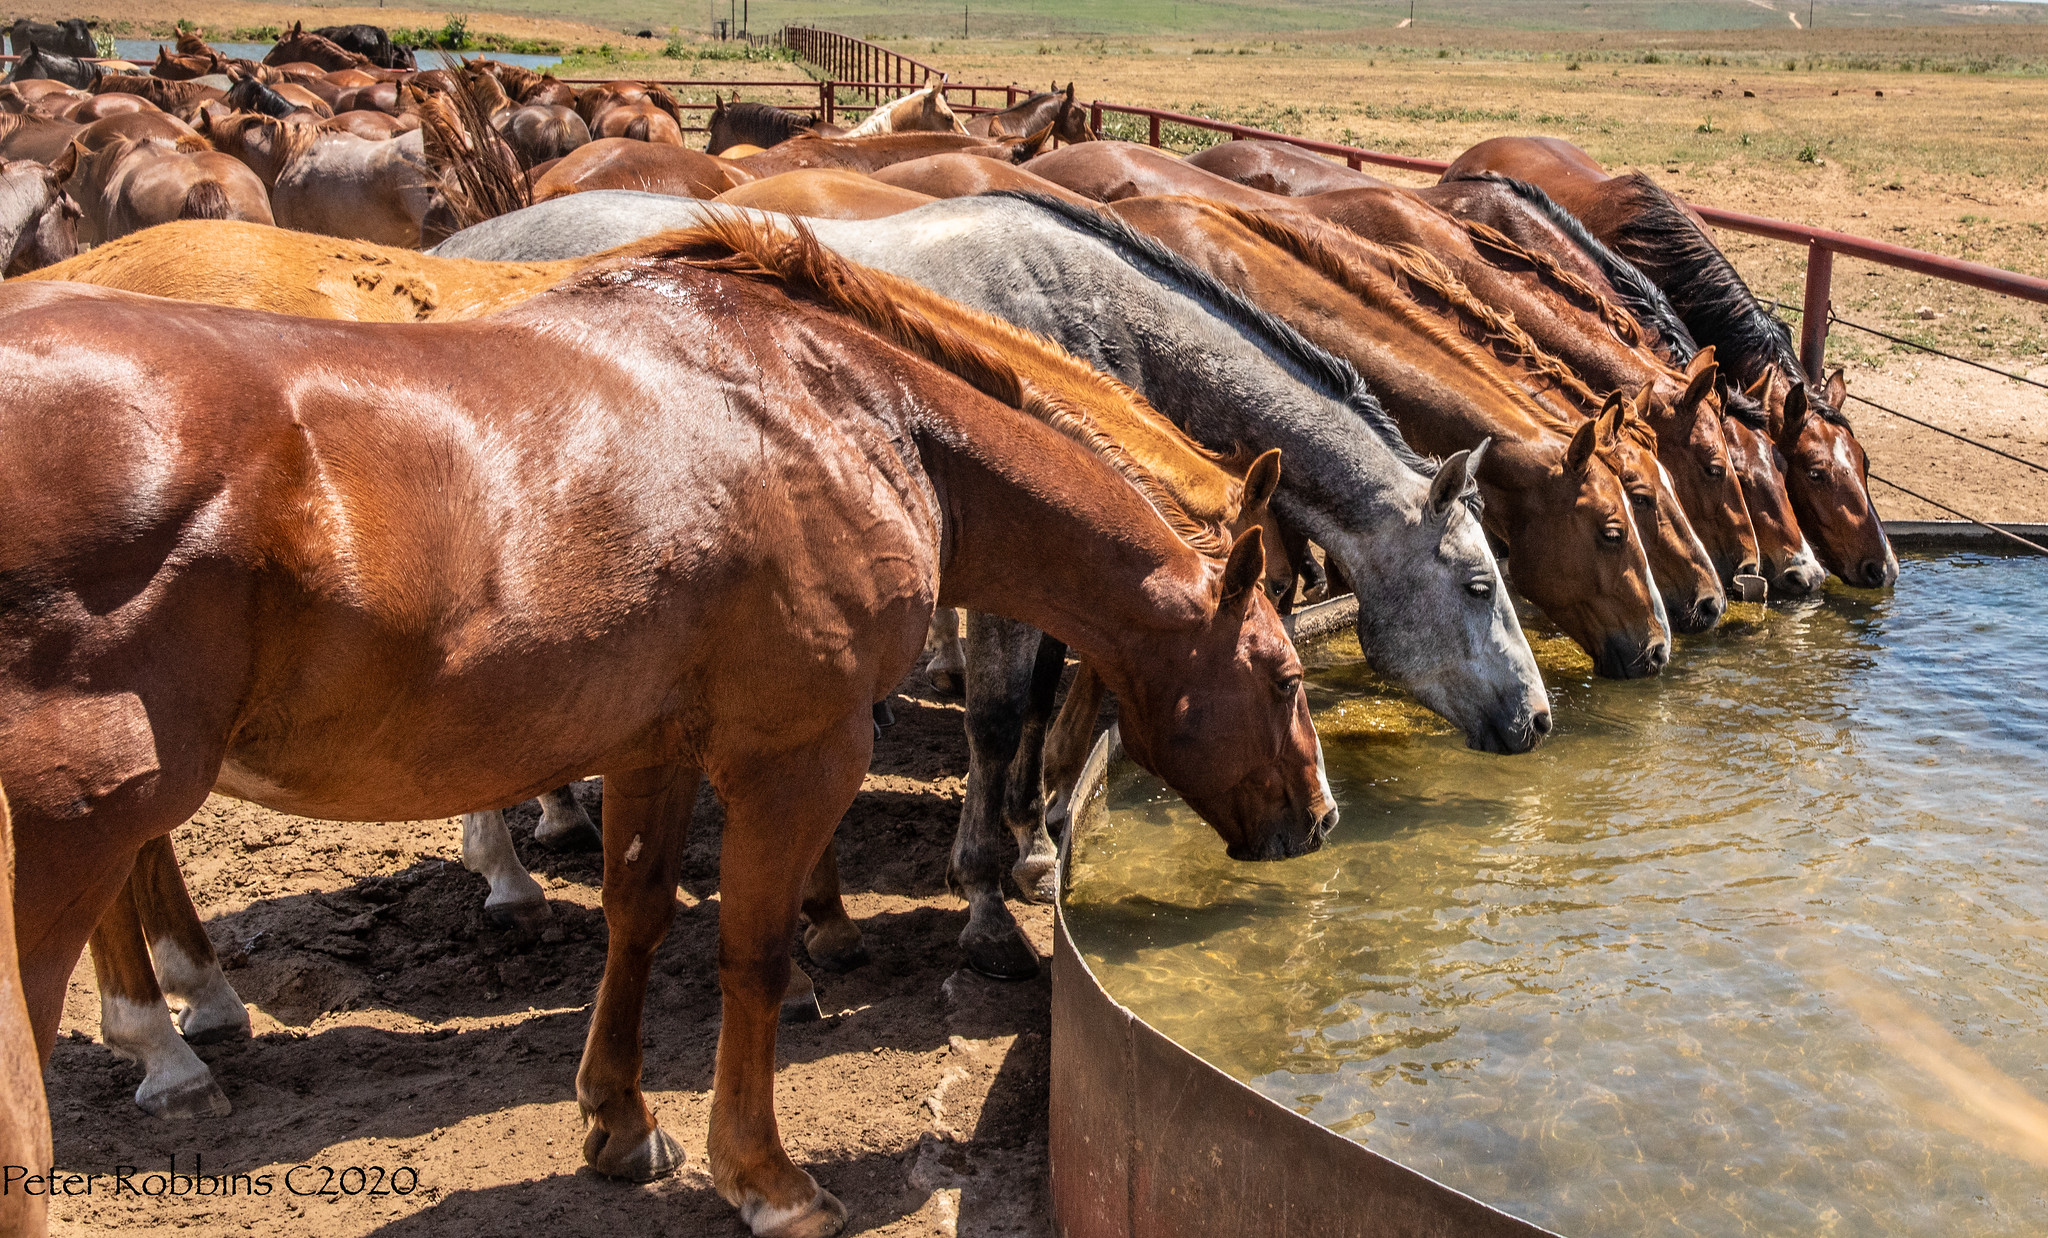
(1610, 417)
(1700, 378)
(1070, 92)
(1260, 481)
(1246, 566)
(1451, 480)
(1795, 412)
(1581, 450)
(1837, 391)
(66, 164)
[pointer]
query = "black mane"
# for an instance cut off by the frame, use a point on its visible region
(756, 124)
(1330, 374)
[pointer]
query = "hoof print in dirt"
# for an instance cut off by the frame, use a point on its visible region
(194, 1098)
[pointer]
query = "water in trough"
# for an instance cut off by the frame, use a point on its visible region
(1750, 948)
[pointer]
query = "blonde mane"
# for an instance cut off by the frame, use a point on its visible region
(1182, 481)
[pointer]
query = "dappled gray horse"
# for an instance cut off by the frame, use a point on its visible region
(1432, 615)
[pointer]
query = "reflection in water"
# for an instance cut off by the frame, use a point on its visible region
(1592, 984)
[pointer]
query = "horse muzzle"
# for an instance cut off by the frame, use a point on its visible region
(1282, 844)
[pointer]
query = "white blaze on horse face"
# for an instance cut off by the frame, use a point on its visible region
(1650, 579)
(175, 1083)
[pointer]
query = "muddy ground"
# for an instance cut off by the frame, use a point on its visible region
(396, 1028)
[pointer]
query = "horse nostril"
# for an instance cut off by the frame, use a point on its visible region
(1324, 826)
(1873, 574)
(1541, 721)
(1658, 656)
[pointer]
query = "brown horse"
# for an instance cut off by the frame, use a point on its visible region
(299, 46)
(1280, 167)
(538, 132)
(634, 110)
(1113, 171)
(335, 183)
(265, 534)
(826, 193)
(41, 138)
(622, 163)
(135, 183)
(1053, 107)
(1827, 477)
(24, 1113)
(758, 125)
(1553, 496)
(867, 154)
(962, 175)
(1524, 307)
(1787, 559)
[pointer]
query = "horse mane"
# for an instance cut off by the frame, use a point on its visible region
(1330, 376)
(752, 120)
(1315, 243)
(478, 176)
(1021, 369)
(1639, 294)
(230, 136)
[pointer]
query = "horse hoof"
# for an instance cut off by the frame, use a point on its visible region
(823, 1217)
(197, 1097)
(1035, 878)
(951, 685)
(801, 1007)
(654, 1156)
(1007, 957)
(835, 947)
(200, 1027)
(582, 836)
(525, 918)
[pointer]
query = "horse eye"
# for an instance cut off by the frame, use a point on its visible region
(1287, 685)
(1716, 472)
(1816, 475)
(1644, 501)
(1614, 533)
(1480, 588)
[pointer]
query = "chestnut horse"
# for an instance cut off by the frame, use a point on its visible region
(636, 111)
(257, 531)
(1576, 541)
(962, 176)
(134, 183)
(622, 163)
(24, 1112)
(827, 193)
(1111, 171)
(1827, 477)
(867, 154)
(1280, 167)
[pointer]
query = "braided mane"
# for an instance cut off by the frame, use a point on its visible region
(1191, 491)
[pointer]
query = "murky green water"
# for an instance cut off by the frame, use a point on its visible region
(1757, 947)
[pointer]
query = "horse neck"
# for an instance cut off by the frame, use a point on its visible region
(1013, 489)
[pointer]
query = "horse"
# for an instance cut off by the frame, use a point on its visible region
(866, 154)
(539, 132)
(71, 37)
(373, 43)
(134, 183)
(1280, 167)
(39, 138)
(371, 126)
(1827, 480)
(167, 96)
(623, 163)
(634, 110)
(962, 176)
(1111, 171)
(826, 193)
(336, 183)
(921, 111)
(758, 124)
(25, 1113)
(181, 68)
(1068, 120)
(29, 191)
(298, 46)
(1576, 546)
(38, 63)
(100, 107)
(871, 455)
(1525, 308)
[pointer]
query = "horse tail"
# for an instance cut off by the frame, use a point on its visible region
(477, 172)
(636, 129)
(206, 200)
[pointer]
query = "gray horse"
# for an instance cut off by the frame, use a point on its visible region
(1433, 616)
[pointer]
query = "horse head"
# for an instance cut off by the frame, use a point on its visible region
(1693, 446)
(1828, 479)
(1683, 567)
(1784, 558)
(1216, 707)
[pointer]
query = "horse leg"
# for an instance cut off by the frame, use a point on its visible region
(777, 825)
(564, 825)
(1024, 802)
(136, 1025)
(646, 823)
(515, 900)
(1067, 745)
(831, 937)
(1002, 655)
(948, 666)
(204, 1005)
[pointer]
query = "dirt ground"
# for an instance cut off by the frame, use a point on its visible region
(396, 1028)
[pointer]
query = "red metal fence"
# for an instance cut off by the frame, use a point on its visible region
(852, 60)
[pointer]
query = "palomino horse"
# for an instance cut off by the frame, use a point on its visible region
(963, 176)
(1525, 308)
(827, 193)
(1053, 107)
(1233, 377)
(1110, 171)
(24, 1113)
(727, 431)
(1827, 474)
(1280, 167)
(134, 183)
(921, 111)
(1576, 545)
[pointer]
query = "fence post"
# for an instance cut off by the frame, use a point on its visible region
(826, 98)
(1155, 131)
(1813, 327)
(1095, 116)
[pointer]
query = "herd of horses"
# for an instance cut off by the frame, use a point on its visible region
(383, 444)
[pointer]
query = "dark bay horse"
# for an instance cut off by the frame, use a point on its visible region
(1281, 167)
(1575, 534)
(223, 581)
(1235, 378)
(1827, 473)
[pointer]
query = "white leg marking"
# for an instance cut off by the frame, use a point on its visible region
(203, 1004)
(175, 1084)
(487, 849)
